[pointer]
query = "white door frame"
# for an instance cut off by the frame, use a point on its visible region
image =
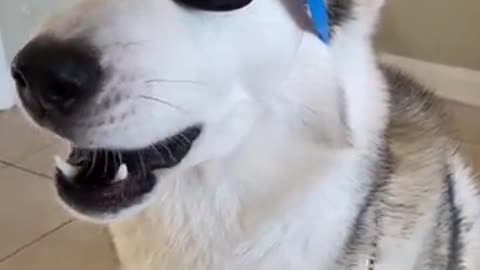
(7, 90)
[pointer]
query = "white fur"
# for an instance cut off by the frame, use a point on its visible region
(468, 200)
(275, 178)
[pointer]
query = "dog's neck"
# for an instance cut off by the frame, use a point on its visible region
(284, 169)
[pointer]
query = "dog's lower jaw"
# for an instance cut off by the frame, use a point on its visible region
(221, 216)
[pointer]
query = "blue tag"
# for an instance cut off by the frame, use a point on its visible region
(319, 13)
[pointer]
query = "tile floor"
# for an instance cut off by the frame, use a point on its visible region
(35, 233)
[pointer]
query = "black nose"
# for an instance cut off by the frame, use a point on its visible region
(55, 77)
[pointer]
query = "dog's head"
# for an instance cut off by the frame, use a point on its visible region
(141, 86)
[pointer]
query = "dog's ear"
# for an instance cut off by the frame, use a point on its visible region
(358, 15)
(215, 5)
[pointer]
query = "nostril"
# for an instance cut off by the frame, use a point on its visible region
(62, 93)
(19, 78)
(57, 76)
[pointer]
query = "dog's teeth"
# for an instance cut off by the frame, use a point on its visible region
(122, 173)
(68, 170)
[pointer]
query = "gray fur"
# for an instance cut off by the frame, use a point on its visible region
(339, 11)
(416, 125)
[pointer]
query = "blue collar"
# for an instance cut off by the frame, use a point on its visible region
(319, 13)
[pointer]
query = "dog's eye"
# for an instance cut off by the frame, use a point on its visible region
(215, 5)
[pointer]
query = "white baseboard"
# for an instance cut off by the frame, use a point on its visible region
(453, 83)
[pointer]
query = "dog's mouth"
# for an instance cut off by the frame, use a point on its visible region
(103, 182)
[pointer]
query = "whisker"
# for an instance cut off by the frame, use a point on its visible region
(105, 166)
(122, 45)
(180, 142)
(143, 170)
(187, 140)
(155, 81)
(310, 109)
(117, 159)
(120, 156)
(164, 102)
(92, 165)
(177, 142)
(169, 151)
(154, 147)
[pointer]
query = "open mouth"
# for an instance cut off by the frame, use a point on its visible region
(106, 181)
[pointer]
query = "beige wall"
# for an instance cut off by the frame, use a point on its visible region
(442, 31)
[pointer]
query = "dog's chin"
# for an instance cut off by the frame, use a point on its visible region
(105, 185)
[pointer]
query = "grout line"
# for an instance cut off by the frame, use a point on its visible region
(41, 237)
(13, 165)
(38, 150)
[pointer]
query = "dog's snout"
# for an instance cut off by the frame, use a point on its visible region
(55, 76)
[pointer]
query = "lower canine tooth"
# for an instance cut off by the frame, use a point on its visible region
(68, 170)
(122, 173)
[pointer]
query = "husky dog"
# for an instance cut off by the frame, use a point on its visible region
(223, 135)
